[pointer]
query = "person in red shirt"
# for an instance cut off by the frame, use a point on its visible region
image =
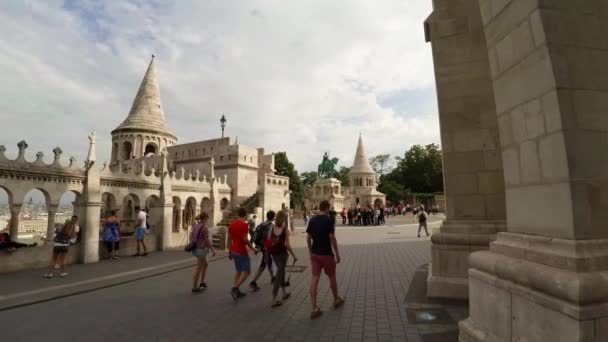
(238, 242)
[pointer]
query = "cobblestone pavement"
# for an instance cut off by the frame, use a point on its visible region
(383, 284)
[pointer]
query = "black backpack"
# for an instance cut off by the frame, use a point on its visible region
(261, 233)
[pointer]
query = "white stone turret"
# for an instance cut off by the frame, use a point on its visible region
(361, 174)
(363, 180)
(145, 130)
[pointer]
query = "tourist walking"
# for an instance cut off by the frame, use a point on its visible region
(259, 237)
(277, 245)
(202, 246)
(140, 231)
(324, 255)
(65, 237)
(111, 235)
(238, 242)
(422, 221)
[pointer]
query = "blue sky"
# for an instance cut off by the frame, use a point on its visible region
(305, 77)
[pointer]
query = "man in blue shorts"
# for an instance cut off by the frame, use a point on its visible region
(140, 231)
(238, 242)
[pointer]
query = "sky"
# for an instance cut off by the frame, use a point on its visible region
(304, 77)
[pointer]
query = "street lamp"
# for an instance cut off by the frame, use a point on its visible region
(223, 122)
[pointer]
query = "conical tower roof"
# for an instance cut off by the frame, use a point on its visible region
(146, 112)
(361, 163)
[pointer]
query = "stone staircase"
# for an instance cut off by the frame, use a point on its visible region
(219, 238)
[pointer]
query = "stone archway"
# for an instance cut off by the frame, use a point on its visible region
(525, 97)
(189, 212)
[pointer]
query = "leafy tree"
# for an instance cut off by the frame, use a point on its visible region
(394, 191)
(382, 164)
(286, 168)
(342, 175)
(419, 170)
(309, 178)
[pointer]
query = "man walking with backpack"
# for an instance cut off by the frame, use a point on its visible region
(324, 255)
(259, 236)
(422, 221)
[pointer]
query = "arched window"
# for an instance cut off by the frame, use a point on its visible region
(127, 150)
(150, 149)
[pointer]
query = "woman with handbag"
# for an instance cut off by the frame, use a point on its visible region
(200, 245)
(278, 246)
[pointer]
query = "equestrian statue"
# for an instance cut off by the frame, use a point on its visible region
(327, 167)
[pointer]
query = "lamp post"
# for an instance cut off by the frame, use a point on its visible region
(223, 122)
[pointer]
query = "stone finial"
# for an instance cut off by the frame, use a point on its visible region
(212, 168)
(182, 172)
(91, 155)
(72, 162)
(57, 153)
(2, 150)
(225, 178)
(197, 174)
(104, 165)
(39, 156)
(22, 145)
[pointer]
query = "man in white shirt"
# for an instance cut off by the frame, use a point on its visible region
(140, 231)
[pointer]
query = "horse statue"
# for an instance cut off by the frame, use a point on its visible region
(327, 167)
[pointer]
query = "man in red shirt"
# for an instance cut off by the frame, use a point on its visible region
(238, 242)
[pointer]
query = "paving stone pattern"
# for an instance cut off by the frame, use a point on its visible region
(375, 280)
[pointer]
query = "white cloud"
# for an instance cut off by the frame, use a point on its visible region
(303, 76)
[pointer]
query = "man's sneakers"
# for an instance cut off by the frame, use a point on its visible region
(254, 286)
(48, 275)
(316, 313)
(338, 302)
(236, 293)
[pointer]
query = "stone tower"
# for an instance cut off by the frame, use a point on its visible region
(144, 131)
(363, 180)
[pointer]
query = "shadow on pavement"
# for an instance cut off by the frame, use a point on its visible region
(435, 319)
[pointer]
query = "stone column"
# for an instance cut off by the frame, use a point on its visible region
(167, 221)
(472, 164)
(179, 218)
(546, 279)
(14, 225)
(50, 230)
(90, 233)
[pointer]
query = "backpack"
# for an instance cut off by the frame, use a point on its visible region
(422, 217)
(276, 244)
(260, 233)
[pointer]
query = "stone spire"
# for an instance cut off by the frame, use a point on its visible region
(361, 163)
(146, 112)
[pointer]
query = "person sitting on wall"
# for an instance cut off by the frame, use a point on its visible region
(12, 246)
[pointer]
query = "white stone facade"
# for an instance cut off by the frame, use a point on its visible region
(148, 169)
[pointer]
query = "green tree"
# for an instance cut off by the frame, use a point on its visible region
(419, 170)
(342, 175)
(309, 178)
(382, 164)
(286, 168)
(393, 190)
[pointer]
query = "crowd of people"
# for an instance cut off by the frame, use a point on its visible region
(271, 239)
